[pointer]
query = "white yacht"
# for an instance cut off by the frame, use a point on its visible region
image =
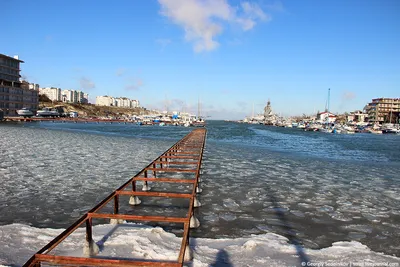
(47, 112)
(25, 112)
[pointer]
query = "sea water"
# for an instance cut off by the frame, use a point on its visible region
(263, 187)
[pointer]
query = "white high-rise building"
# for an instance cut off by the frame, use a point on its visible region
(34, 86)
(67, 96)
(135, 103)
(73, 96)
(105, 101)
(54, 94)
(123, 102)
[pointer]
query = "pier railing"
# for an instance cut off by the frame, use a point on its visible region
(179, 165)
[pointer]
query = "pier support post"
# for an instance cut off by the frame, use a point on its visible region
(188, 256)
(134, 200)
(196, 202)
(146, 187)
(194, 222)
(116, 211)
(90, 247)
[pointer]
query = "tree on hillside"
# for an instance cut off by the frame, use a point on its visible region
(44, 98)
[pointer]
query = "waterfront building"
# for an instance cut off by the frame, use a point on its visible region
(383, 110)
(357, 116)
(14, 94)
(326, 117)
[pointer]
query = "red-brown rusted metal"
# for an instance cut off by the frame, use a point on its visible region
(187, 153)
(165, 180)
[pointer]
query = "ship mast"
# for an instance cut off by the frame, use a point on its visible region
(328, 100)
(198, 108)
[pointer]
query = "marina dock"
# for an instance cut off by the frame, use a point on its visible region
(180, 168)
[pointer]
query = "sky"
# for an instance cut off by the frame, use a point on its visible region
(227, 55)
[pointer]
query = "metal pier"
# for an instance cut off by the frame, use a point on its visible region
(178, 167)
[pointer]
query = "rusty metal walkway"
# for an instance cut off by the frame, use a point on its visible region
(179, 166)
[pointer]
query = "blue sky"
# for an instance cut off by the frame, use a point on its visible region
(229, 54)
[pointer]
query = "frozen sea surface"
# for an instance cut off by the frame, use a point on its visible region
(319, 189)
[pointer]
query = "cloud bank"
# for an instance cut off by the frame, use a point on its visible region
(202, 20)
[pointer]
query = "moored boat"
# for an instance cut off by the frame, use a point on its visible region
(25, 112)
(47, 112)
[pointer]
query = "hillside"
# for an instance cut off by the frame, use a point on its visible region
(90, 110)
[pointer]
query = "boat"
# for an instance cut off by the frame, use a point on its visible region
(391, 131)
(25, 112)
(374, 131)
(47, 112)
(390, 128)
(198, 123)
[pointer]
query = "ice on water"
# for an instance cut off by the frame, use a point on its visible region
(245, 188)
(18, 242)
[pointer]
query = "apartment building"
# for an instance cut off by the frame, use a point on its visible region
(105, 101)
(15, 95)
(74, 96)
(383, 110)
(67, 96)
(53, 93)
(123, 102)
(357, 116)
(117, 102)
(135, 103)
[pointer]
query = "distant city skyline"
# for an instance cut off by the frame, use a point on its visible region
(229, 54)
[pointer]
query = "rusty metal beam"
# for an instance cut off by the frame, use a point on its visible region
(165, 180)
(138, 217)
(180, 157)
(177, 162)
(170, 170)
(154, 194)
(78, 261)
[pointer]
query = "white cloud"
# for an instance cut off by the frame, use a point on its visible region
(86, 83)
(202, 20)
(252, 10)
